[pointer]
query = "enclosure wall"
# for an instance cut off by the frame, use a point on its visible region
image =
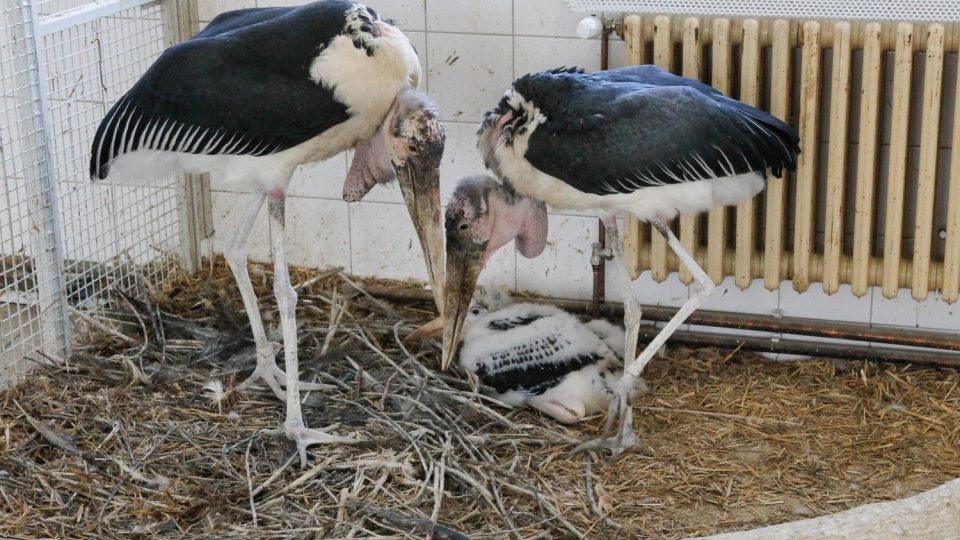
(68, 247)
(471, 50)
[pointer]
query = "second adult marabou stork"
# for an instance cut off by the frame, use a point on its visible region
(261, 91)
(632, 141)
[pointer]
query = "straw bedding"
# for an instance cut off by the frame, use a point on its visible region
(138, 434)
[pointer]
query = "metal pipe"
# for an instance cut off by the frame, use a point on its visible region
(810, 348)
(781, 325)
(599, 264)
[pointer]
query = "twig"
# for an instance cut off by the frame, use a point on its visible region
(591, 497)
(378, 303)
(439, 532)
(246, 466)
(50, 435)
(102, 327)
(320, 277)
(276, 474)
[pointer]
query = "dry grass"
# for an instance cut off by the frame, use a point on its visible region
(125, 441)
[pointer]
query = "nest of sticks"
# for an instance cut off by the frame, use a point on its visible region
(139, 435)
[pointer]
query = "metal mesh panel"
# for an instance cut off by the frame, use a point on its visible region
(880, 10)
(108, 229)
(66, 243)
(20, 322)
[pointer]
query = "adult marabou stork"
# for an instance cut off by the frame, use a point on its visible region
(635, 140)
(259, 92)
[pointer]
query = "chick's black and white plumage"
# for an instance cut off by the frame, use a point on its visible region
(542, 356)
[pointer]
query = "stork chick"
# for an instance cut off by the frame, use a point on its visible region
(542, 356)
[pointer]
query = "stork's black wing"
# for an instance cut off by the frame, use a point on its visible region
(241, 86)
(619, 131)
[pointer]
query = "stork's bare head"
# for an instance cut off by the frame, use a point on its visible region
(414, 142)
(482, 216)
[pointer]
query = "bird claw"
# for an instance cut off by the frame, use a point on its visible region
(617, 446)
(625, 439)
(275, 379)
(304, 437)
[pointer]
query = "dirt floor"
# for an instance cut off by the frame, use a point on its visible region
(139, 435)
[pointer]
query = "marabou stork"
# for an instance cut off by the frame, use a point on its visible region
(636, 140)
(540, 355)
(259, 92)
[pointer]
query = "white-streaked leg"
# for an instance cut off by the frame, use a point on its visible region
(237, 259)
(236, 256)
(286, 296)
(620, 403)
(625, 437)
(707, 286)
(632, 311)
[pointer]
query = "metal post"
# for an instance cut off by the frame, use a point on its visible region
(181, 22)
(33, 115)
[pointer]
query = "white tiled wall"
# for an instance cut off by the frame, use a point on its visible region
(470, 51)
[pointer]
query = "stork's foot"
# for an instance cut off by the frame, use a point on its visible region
(268, 372)
(625, 440)
(304, 437)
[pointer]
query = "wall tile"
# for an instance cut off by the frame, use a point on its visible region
(815, 304)
(208, 9)
(934, 313)
(460, 157)
(899, 311)
(548, 18)
(316, 230)
(534, 54)
(563, 269)
(228, 208)
(669, 293)
(408, 14)
(470, 16)
(754, 299)
(317, 233)
(384, 243)
(501, 269)
(468, 73)
(320, 179)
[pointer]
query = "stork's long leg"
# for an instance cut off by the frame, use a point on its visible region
(620, 404)
(635, 368)
(632, 311)
(286, 296)
(237, 259)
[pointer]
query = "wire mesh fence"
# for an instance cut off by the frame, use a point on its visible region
(67, 244)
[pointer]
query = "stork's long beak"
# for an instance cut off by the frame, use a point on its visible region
(417, 148)
(421, 193)
(464, 262)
